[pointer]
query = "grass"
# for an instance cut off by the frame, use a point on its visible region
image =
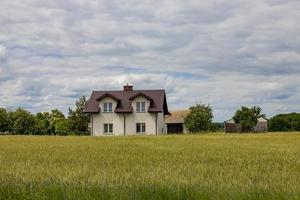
(208, 166)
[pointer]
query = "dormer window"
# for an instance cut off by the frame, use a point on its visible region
(107, 107)
(140, 106)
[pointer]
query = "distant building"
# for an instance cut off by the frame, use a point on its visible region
(232, 127)
(175, 122)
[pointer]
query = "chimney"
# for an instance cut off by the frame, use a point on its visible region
(128, 87)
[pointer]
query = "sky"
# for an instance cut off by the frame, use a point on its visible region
(226, 53)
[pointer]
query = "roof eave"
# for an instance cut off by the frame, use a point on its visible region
(121, 111)
(91, 112)
(107, 95)
(142, 95)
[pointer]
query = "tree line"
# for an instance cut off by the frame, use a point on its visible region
(285, 122)
(200, 118)
(22, 122)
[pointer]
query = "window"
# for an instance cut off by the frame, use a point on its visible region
(107, 107)
(140, 127)
(108, 128)
(140, 106)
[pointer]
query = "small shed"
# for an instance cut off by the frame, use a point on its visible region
(175, 122)
(232, 127)
(261, 126)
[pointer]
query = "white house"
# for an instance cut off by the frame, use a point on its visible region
(127, 112)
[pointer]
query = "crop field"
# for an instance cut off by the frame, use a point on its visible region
(204, 166)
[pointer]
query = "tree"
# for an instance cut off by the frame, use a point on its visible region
(78, 120)
(42, 126)
(55, 120)
(248, 117)
(61, 127)
(217, 127)
(23, 122)
(53, 123)
(4, 120)
(285, 122)
(199, 118)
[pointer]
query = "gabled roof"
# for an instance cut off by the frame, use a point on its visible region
(158, 101)
(107, 95)
(262, 119)
(231, 121)
(177, 117)
(140, 94)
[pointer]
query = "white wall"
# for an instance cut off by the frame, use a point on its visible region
(107, 118)
(117, 119)
(161, 126)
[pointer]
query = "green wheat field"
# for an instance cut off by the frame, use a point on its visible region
(203, 166)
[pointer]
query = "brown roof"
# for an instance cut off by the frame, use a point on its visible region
(177, 117)
(158, 101)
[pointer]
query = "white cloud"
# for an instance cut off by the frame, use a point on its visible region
(226, 53)
(2, 51)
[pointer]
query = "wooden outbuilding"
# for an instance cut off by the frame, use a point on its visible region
(232, 127)
(175, 122)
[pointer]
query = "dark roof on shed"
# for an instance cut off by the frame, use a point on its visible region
(158, 101)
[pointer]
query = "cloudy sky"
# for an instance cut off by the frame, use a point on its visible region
(225, 53)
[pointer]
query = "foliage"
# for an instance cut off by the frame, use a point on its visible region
(199, 118)
(4, 120)
(248, 117)
(61, 127)
(56, 121)
(53, 123)
(217, 127)
(285, 122)
(23, 122)
(208, 166)
(42, 126)
(78, 120)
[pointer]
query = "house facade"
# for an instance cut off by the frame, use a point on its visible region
(127, 112)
